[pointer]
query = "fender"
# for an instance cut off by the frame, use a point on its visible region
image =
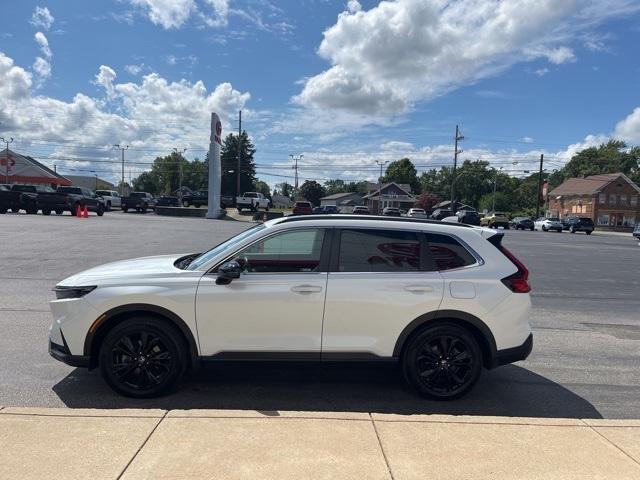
(103, 319)
(456, 315)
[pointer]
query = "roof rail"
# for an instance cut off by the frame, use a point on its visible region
(346, 216)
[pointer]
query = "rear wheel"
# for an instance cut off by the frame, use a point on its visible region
(46, 211)
(3, 210)
(186, 204)
(59, 211)
(100, 210)
(572, 230)
(144, 209)
(125, 209)
(544, 229)
(143, 357)
(442, 362)
(108, 206)
(32, 211)
(588, 232)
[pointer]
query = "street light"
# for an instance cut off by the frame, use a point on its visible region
(382, 164)
(495, 183)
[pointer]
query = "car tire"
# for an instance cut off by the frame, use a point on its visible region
(143, 357)
(239, 210)
(532, 228)
(3, 211)
(572, 230)
(108, 208)
(125, 209)
(100, 210)
(32, 211)
(442, 362)
(588, 232)
(144, 209)
(59, 212)
(186, 204)
(46, 211)
(544, 229)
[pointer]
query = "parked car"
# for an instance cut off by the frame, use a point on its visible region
(16, 200)
(391, 212)
(270, 293)
(578, 224)
(167, 201)
(331, 209)
(227, 201)
(302, 208)
(63, 199)
(111, 199)
(636, 231)
(522, 223)
(197, 199)
(139, 201)
(546, 224)
(318, 210)
(417, 213)
(470, 217)
(253, 201)
(361, 210)
(495, 220)
(440, 213)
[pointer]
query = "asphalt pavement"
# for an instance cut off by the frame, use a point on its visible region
(586, 322)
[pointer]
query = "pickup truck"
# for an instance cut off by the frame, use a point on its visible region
(201, 197)
(253, 201)
(16, 201)
(111, 198)
(63, 199)
(138, 201)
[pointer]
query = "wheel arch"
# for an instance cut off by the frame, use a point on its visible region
(109, 319)
(477, 327)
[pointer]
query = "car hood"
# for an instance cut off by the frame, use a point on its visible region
(147, 267)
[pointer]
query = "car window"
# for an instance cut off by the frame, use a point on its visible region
(447, 253)
(379, 251)
(223, 247)
(288, 252)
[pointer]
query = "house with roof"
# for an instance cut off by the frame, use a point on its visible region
(345, 201)
(281, 201)
(390, 195)
(16, 168)
(610, 200)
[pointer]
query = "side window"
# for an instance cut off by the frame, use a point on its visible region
(448, 253)
(379, 251)
(290, 252)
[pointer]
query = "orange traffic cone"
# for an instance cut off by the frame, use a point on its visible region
(78, 211)
(85, 212)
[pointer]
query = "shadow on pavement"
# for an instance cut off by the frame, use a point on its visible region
(506, 391)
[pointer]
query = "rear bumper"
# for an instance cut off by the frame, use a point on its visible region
(514, 354)
(61, 353)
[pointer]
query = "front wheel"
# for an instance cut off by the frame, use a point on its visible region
(108, 206)
(588, 232)
(144, 209)
(125, 209)
(532, 229)
(544, 229)
(143, 357)
(46, 211)
(185, 204)
(442, 362)
(100, 210)
(59, 211)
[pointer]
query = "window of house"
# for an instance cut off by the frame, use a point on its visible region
(364, 250)
(633, 200)
(623, 199)
(448, 253)
(629, 221)
(603, 219)
(613, 200)
(602, 198)
(289, 252)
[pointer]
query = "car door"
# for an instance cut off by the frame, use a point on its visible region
(275, 308)
(380, 280)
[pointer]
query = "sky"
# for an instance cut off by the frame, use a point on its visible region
(343, 84)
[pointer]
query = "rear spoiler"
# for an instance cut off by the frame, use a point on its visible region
(495, 239)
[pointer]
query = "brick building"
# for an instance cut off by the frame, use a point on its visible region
(611, 200)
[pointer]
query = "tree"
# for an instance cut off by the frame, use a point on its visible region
(285, 189)
(426, 201)
(312, 191)
(146, 182)
(229, 160)
(402, 171)
(335, 186)
(263, 188)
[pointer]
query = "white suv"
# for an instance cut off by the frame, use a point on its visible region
(444, 300)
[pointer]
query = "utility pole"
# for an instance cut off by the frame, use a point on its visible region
(6, 159)
(382, 164)
(239, 152)
(295, 168)
(456, 152)
(180, 152)
(122, 149)
(495, 184)
(539, 187)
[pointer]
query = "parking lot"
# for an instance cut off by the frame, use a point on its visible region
(586, 322)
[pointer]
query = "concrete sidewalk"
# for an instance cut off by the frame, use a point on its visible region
(227, 444)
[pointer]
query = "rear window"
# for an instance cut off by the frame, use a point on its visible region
(586, 220)
(74, 190)
(448, 253)
(303, 204)
(367, 250)
(138, 195)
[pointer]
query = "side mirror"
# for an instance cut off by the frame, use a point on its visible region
(227, 272)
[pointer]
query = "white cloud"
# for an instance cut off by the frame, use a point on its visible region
(629, 128)
(167, 13)
(354, 6)
(42, 18)
(44, 44)
(42, 67)
(527, 139)
(220, 15)
(134, 69)
(386, 59)
(152, 115)
(541, 72)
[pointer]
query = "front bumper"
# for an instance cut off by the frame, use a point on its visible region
(515, 354)
(61, 353)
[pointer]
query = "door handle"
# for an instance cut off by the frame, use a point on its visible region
(418, 288)
(306, 289)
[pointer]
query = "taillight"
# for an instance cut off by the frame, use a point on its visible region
(519, 281)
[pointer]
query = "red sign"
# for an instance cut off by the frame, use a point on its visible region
(3, 161)
(545, 188)
(218, 134)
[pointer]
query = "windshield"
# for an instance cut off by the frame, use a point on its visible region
(75, 190)
(224, 247)
(138, 195)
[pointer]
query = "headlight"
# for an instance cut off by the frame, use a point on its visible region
(72, 292)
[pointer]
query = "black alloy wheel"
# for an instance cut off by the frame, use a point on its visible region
(100, 210)
(443, 362)
(143, 357)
